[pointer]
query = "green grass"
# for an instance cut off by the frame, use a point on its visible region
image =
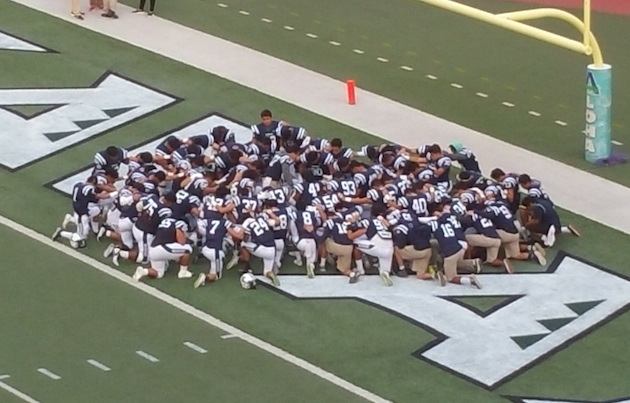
(360, 343)
(80, 313)
(508, 67)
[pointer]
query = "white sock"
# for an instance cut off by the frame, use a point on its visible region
(94, 226)
(108, 233)
(124, 254)
(322, 261)
(183, 268)
(465, 281)
(360, 268)
(565, 230)
(66, 234)
(401, 268)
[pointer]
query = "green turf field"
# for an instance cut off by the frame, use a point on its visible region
(532, 75)
(50, 294)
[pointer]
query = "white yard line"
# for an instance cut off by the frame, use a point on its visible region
(189, 309)
(49, 374)
(617, 143)
(99, 365)
(228, 336)
(17, 393)
(195, 347)
(147, 356)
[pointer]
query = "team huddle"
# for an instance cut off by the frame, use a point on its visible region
(381, 208)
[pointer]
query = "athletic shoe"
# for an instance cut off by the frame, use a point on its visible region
(150, 13)
(201, 280)
(508, 266)
(322, 269)
(475, 281)
(310, 270)
(401, 273)
(431, 270)
(573, 230)
(139, 273)
(540, 258)
(354, 278)
(184, 274)
(387, 278)
(109, 250)
(441, 278)
(101, 232)
(77, 16)
(116, 255)
(538, 247)
(67, 219)
(477, 265)
(137, 10)
(55, 234)
(274, 279)
(232, 261)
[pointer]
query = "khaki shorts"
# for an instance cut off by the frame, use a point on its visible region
(343, 254)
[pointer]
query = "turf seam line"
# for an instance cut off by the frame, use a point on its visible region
(98, 365)
(48, 373)
(197, 313)
(147, 356)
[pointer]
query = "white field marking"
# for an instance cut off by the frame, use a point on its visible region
(99, 365)
(48, 373)
(203, 316)
(334, 43)
(508, 104)
(289, 28)
(313, 36)
(458, 86)
(243, 12)
(534, 113)
(560, 123)
(431, 77)
(382, 59)
(195, 347)
(358, 51)
(229, 336)
(482, 95)
(147, 356)
(4, 377)
(222, 5)
(265, 20)
(406, 68)
(617, 143)
(16, 392)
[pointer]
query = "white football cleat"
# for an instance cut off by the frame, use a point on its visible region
(184, 274)
(475, 281)
(387, 279)
(101, 232)
(139, 273)
(55, 234)
(232, 261)
(67, 219)
(310, 270)
(201, 280)
(115, 257)
(109, 250)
